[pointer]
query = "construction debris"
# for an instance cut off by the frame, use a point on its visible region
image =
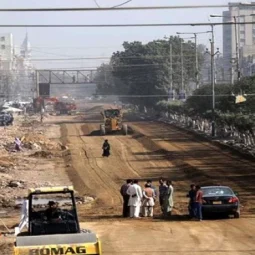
(29, 167)
(42, 154)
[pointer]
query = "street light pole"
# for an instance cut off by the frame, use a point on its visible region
(212, 54)
(237, 51)
(171, 68)
(237, 43)
(196, 53)
(197, 81)
(213, 82)
(182, 71)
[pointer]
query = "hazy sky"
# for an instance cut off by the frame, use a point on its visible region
(85, 42)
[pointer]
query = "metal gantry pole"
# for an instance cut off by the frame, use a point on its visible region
(213, 82)
(36, 84)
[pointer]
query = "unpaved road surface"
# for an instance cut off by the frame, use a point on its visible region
(153, 150)
(156, 149)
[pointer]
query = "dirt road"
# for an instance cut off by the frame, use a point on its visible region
(154, 150)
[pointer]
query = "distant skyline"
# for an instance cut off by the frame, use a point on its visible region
(100, 42)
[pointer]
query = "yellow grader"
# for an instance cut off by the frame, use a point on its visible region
(113, 122)
(58, 236)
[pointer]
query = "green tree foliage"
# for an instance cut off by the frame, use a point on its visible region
(104, 80)
(201, 101)
(143, 69)
(227, 112)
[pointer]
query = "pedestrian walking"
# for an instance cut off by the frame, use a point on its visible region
(125, 196)
(148, 200)
(199, 203)
(168, 202)
(135, 199)
(192, 201)
(106, 149)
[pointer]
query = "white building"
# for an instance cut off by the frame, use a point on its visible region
(16, 70)
(243, 36)
(6, 52)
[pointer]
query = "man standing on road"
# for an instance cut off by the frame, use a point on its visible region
(199, 202)
(192, 201)
(135, 199)
(123, 192)
(148, 201)
(149, 182)
(163, 189)
(168, 202)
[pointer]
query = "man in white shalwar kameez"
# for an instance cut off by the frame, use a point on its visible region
(135, 199)
(168, 202)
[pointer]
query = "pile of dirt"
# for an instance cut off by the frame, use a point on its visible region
(42, 154)
(6, 162)
(31, 123)
(41, 141)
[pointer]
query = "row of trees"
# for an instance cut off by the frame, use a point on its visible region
(144, 69)
(141, 74)
(229, 115)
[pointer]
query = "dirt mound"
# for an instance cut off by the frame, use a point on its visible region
(41, 140)
(6, 162)
(34, 138)
(31, 123)
(42, 154)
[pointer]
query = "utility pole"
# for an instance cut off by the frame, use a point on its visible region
(213, 83)
(171, 92)
(213, 53)
(237, 44)
(237, 51)
(197, 78)
(182, 70)
(171, 67)
(196, 52)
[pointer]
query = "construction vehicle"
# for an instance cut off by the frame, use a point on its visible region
(65, 108)
(113, 122)
(57, 235)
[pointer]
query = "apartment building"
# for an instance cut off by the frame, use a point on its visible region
(238, 39)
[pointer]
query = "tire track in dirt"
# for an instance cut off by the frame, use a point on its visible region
(200, 161)
(102, 175)
(90, 176)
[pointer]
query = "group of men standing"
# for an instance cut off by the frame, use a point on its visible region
(138, 202)
(195, 202)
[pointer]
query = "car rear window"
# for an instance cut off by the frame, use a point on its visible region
(218, 191)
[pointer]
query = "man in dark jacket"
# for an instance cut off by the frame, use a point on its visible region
(106, 149)
(123, 192)
(53, 212)
(192, 201)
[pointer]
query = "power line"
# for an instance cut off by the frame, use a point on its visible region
(95, 1)
(122, 4)
(126, 25)
(98, 8)
(106, 58)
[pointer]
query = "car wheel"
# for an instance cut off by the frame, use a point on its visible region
(237, 215)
